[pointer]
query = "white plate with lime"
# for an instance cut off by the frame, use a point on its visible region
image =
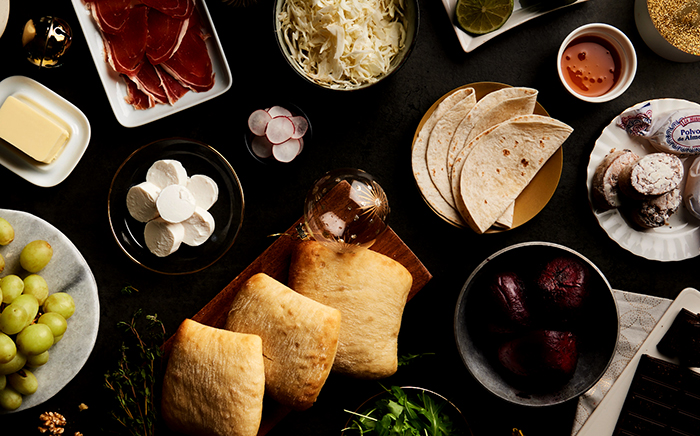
(493, 21)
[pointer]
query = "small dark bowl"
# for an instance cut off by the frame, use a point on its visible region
(597, 329)
(248, 135)
(412, 14)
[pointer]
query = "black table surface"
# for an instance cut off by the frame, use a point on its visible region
(370, 129)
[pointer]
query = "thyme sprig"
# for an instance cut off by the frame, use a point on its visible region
(134, 379)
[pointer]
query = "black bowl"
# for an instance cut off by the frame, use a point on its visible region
(597, 327)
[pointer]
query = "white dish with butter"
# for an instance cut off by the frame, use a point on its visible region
(4, 14)
(71, 118)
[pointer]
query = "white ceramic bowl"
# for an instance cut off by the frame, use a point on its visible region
(654, 40)
(628, 59)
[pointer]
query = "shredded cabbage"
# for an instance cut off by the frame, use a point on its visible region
(343, 43)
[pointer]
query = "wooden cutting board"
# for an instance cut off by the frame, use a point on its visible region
(274, 261)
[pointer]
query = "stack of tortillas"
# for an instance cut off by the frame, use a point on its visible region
(471, 159)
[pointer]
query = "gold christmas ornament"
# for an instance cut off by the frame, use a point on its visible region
(46, 40)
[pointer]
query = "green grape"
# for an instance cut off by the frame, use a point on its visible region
(30, 304)
(38, 360)
(13, 319)
(3, 381)
(7, 233)
(8, 349)
(60, 302)
(23, 381)
(36, 285)
(34, 339)
(10, 399)
(57, 338)
(35, 256)
(13, 365)
(12, 286)
(2, 267)
(56, 322)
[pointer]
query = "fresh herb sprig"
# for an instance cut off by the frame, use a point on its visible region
(399, 414)
(134, 379)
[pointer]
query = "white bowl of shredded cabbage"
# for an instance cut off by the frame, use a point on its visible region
(346, 44)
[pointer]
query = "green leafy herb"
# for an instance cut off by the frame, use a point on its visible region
(407, 358)
(128, 290)
(399, 413)
(134, 379)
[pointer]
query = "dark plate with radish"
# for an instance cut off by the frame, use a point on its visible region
(277, 134)
(536, 324)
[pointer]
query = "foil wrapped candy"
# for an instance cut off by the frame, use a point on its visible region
(676, 132)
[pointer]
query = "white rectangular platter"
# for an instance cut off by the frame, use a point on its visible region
(604, 418)
(116, 88)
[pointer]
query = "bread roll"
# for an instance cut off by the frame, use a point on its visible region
(299, 336)
(370, 290)
(214, 382)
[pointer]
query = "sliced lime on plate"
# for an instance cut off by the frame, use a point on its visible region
(479, 17)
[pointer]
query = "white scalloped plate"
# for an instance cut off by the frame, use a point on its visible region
(4, 14)
(680, 239)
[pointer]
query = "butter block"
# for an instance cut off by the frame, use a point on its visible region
(31, 131)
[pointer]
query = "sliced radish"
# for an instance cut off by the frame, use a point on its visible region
(257, 121)
(261, 147)
(300, 126)
(287, 150)
(301, 145)
(276, 111)
(279, 129)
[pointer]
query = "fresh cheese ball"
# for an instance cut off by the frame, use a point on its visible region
(198, 227)
(141, 201)
(204, 189)
(163, 238)
(175, 203)
(166, 172)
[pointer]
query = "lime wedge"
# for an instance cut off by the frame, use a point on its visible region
(482, 16)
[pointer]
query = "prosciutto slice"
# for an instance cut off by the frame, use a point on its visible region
(165, 34)
(191, 65)
(173, 89)
(110, 15)
(148, 81)
(175, 8)
(136, 98)
(125, 50)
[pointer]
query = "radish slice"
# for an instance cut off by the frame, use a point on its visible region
(300, 126)
(276, 111)
(279, 129)
(257, 122)
(261, 147)
(287, 150)
(301, 145)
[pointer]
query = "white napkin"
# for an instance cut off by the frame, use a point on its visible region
(639, 314)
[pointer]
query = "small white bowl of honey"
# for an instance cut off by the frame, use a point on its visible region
(596, 62)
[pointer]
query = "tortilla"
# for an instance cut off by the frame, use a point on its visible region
(419, 163)
(299, 337)
(439, 142)
(370, 291)
(502, 162)
(214, 382)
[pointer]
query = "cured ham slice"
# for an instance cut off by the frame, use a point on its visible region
(173, 89)
(174, 8)
(125, 50)
(165, 34)
(110, 15)
(148, 81)
(136, 98)
(191, 65)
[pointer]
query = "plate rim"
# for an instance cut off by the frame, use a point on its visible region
(613, 217)
(225, 163)
(555, 162)
(114, 87)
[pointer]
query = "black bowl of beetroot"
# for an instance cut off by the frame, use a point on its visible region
(536, 324)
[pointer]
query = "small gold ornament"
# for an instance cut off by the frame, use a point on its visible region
(346, 210)
(46, 40)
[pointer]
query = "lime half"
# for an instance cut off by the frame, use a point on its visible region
(482, 16)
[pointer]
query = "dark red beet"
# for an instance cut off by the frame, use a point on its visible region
(542, 355)
(508, 292)
(564, 284)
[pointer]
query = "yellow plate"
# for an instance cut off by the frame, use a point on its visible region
(540, 190)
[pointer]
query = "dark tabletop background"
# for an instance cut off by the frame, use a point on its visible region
(371, 130)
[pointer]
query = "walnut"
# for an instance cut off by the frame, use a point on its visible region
(52, 423)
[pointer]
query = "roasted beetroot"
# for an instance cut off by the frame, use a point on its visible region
(541, 355)
(564, 285)
(509, 295)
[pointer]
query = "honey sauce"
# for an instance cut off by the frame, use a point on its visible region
(591, 66)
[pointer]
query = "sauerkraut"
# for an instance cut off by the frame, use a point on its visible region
(343, 43)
